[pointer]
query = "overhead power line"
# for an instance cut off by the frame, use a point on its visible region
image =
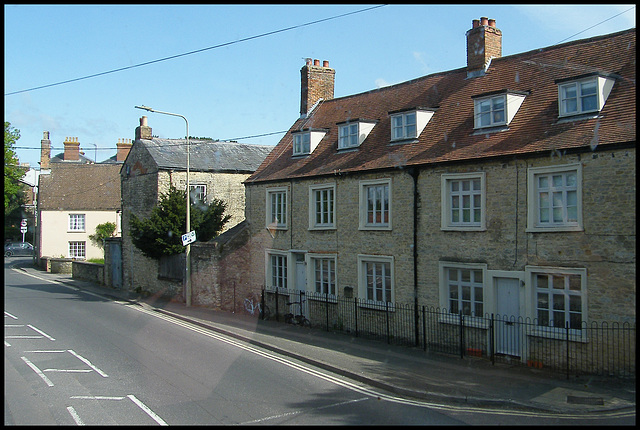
(197, 50)
(601, 22)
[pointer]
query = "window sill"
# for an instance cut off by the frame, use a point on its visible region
(376, 306)
(404, 141)
(562, 119)
(322, 228)
(375, 228)
(348, 149)
(558, 229)
(557, 334)
(490, 129)
(463, 228)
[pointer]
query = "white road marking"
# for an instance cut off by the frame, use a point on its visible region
(40, 331)
(75, 416)
(148, 411)
(38, 371)
(7, 314)
(98, 397)
(131, 397)
(26, 336)
(88, 363)
(273, 417)
(367, 391)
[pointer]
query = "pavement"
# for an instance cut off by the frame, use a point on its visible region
(398, 370)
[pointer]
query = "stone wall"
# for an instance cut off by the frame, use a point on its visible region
(92, 272)
(221, 276)
(605, 247)
(142, 187)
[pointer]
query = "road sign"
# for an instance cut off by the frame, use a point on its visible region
(23, 229)
(188, 238)
(23, 223)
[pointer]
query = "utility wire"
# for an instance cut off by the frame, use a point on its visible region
(601, 22)
(197, 50)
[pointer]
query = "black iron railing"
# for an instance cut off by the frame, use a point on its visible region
(593, 348)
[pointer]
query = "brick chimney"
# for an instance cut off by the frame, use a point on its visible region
(143, 131)
(484, 42)
(71, 149)
(317, 82)
(124, 146)
(45, 151)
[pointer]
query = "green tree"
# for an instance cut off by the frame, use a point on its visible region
(161, 233)
(13, 195)
(103, 231)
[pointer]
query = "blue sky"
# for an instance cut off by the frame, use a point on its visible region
(241, 88)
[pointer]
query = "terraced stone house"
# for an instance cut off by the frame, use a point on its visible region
(504, 187)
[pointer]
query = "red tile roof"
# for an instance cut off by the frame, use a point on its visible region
(90, 187)
(450, 136)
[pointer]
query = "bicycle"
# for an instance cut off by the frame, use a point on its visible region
(290, 318)
(251, 307)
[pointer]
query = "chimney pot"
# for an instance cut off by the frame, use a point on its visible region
(316, 83)
(71, 149)
(484, 42)
(124, 146)
(325, 63)
(45, 151)
(475, 23)
(143, 131)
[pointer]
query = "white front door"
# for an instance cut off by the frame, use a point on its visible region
(301, 285)
(508, 327)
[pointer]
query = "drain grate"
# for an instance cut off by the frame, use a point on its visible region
(581, 400)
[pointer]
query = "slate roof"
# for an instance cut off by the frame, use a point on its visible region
(74, 187)
(450, 136)
(60, 159)
(206, 155)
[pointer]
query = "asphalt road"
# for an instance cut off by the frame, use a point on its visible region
(72, 357)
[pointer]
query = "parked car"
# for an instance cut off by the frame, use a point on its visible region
(18, 248)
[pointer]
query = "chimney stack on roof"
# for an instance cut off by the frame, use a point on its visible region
(484, 42)
(71, 149)
(317, 82)
(143, 131)
(124, 146)
(45, 151)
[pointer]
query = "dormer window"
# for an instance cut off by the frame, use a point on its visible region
(585, 94)
(409, 124)
(301, 144)
(490, 112)
(348, 136)
(403, 126)
(304, 142)
(352, 134)
(496, 109)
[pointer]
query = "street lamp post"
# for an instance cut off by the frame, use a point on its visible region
(188, 250)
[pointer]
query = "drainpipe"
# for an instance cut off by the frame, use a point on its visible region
(414, 172)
